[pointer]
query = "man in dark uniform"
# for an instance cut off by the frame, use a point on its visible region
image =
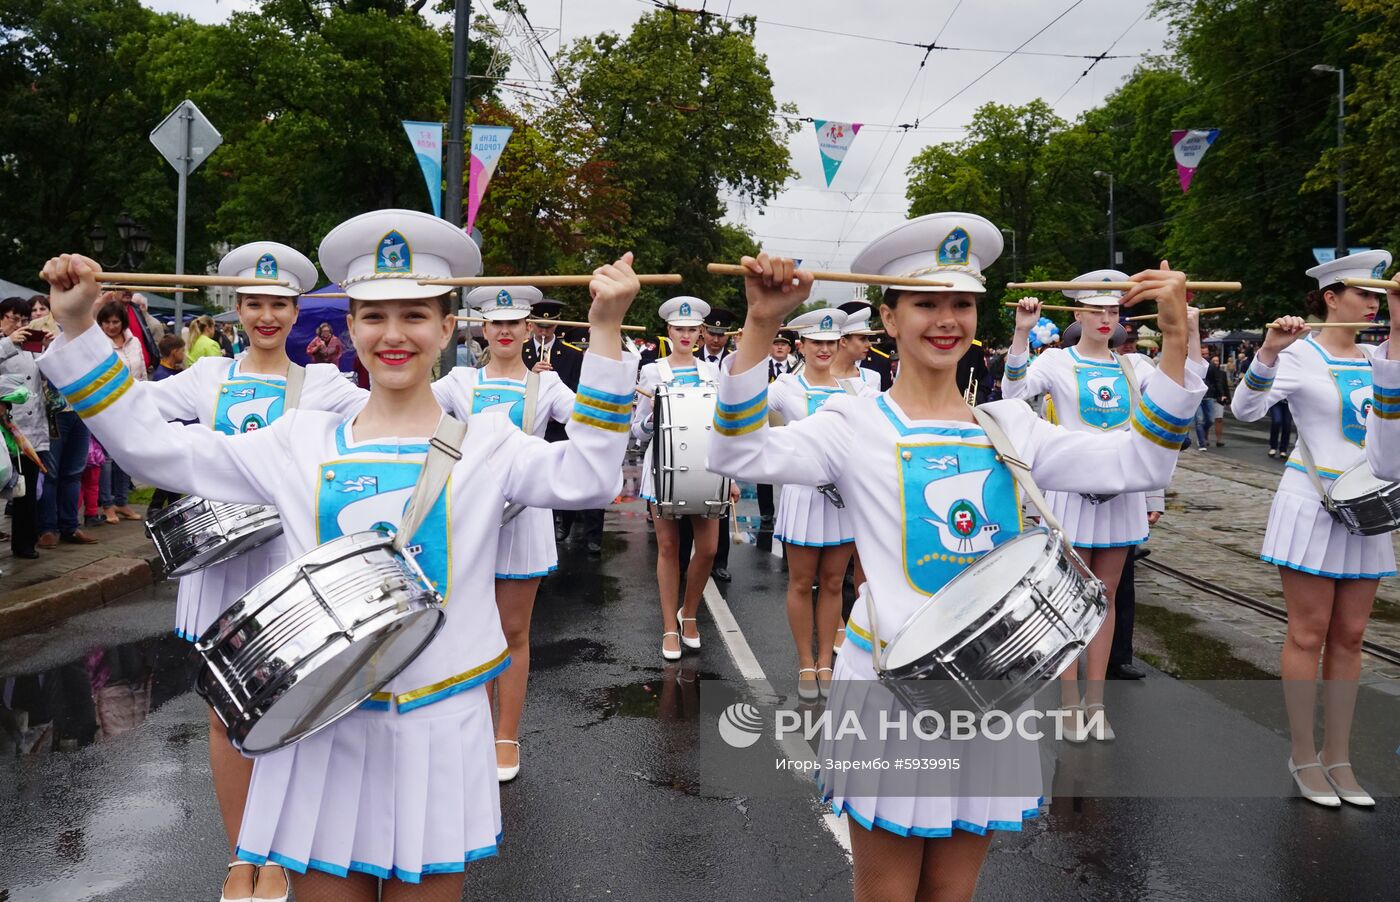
(714, 348)
(973, 367)
(546, 350)
(881, 361)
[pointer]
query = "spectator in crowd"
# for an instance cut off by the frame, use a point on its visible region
(1280, 429)
(172, 357)
(1212, 409)
(153, 325)
(115, 486)
(223, 333)
(27, 420)
(92, 513)
(200, 343)
(325, 347)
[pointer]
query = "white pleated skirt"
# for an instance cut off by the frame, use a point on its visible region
(526, 549)
(1115, 523)
(648, 488)
(936, 812)
(381, 793)
(805, 517)
(207, 593)
(1301, 535)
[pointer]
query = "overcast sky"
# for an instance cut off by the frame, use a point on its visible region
(845, 75)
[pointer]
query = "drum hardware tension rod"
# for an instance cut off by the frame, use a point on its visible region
(1202, 312)
(1116, 286)
(546, 281)
(854, 278)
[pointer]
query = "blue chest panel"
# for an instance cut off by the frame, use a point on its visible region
(816, 397)
(958, 504)
(359, 495)
(685, 376)
(506, 393)
(1103, 395)
(244, 405)
(1354, 391)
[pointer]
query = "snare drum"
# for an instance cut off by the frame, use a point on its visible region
(1365, 505)
(684, 417)
(194, 533)
(314, 639)
(999, 630)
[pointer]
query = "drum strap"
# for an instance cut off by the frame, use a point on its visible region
(1314, 475)
(663, 370)
(444, 450)
(296, 381)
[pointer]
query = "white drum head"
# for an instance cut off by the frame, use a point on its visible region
(1355, 483)
(321, 694)
(970, 594)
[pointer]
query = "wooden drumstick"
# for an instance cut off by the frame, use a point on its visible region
(1063, 308)
(546, 281)
(1275, 325)
(854, 278)
(557, 322)
(165, 278)
(1117, 286)
(163, 289)
(1203, 311)
(735, 536)
(1389, 284)
(643, 392)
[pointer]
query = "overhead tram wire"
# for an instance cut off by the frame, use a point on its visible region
(1101, 57)
(1019, 49)
(673, 8)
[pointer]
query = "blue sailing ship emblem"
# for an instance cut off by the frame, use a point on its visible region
(1354, 389)
(363, 495)
(246, 406)
(507, 395)
(393, 254)
(266, 267)
(1103, 396)
(959, 503)
(955, 249)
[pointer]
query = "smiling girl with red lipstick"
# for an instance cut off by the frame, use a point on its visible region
(928, 496)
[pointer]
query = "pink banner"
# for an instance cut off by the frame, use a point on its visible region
(488, 142)
(1189, 146)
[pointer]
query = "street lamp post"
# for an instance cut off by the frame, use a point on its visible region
(1112, 250)
(136, 241)
(1015, 264)
(1322, 68)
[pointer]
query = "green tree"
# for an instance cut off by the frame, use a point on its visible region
(1373, 120)
(678, 110)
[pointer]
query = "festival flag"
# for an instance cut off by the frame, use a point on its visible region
(488, 141)
(833, 140)
(426, 138)
(1189, 146)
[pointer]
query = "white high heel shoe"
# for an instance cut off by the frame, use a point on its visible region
(231, 866)
(1076, 730)
(286, 881)
(1360, 799)
(1325, 799)
(686, 640)
(666, 652)
(1104, 733)
(808, 690)
(506, 774)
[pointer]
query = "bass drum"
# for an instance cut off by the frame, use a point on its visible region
(313, 640)
(684, 417)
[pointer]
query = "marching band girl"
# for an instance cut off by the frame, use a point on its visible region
(1094, 391)
(927, 496)
(683, 317)
(526, 552)
(402, 790)
(233, 397)
(854, 346)
(1329, 575)
(815, 533)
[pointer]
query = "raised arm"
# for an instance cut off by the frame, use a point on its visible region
(1270, 378)
(1022, 378)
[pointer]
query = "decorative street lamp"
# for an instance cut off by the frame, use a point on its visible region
(136, 242)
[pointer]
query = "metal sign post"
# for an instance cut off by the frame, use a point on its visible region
(185, 138)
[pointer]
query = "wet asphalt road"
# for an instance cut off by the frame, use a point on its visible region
(612, 802)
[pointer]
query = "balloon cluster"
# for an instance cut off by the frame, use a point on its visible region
(1044, 333)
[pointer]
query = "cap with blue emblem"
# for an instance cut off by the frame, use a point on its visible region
(943, 247)
(823, 324)
(274, 262)
(1090, 296)
(382, 255)
(1365, 265)
(684, 311)
(504, 302)
(857, 320)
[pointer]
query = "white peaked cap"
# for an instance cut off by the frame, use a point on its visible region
(274, 262)
(684, 311)
(946, 247)
(1097, 297)
(1365, 265)
(381, 255)
(505, 301)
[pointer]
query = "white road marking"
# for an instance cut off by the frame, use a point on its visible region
(792, 746)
